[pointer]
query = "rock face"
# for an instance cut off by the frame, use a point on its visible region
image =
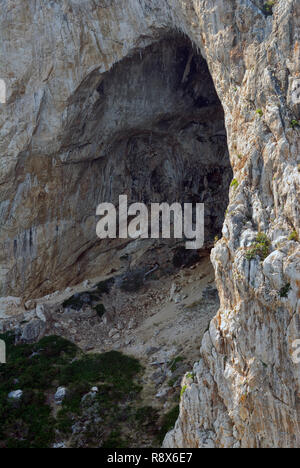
(88, 81)
(33, 331)
(246, 387)
(93, 117)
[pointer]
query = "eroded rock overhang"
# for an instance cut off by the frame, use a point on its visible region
(151, 128)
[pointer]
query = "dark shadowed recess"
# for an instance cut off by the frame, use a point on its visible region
(163, 137)
(152, 128)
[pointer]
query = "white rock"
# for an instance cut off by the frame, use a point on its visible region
(272, 268)
(173, 290)
(40, 312)
(60, 394)
(15, 395)
(59, 445)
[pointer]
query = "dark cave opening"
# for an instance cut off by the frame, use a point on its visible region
(151, 128)
(169, 139)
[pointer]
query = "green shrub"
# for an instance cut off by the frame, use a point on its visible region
(234, 184)
(295, 123)
(268, 7)
(115, 440)
(260, 248)
(183, 391)
(294, 236)
(174, 362)
(55, 347)
(39, 368)
(259, 112)
(147, 415)
(112, 367)
(105, 286)
(172, 382)
(190, 375)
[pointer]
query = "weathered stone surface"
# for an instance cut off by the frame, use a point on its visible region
(10, 306)
(33, 331)
(60, 394)
(15, 395)
(105, 110)
(246, 390)
(60, 126)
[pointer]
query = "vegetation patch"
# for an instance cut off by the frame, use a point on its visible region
(183, 391)
(172, 381)
(268, 7)
(111, 415)
(260, 248)
(115, 440)
(234, 184)
(295, 123)
(168, 422)
(173, 364)
(294, 236)
(190, 375)
(28, 422)
(105, 286)
(147, 416)
(112, 367)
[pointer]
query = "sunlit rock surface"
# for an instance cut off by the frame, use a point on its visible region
(59, 127)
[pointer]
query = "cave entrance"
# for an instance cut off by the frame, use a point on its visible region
(151, 128)
(163, 139)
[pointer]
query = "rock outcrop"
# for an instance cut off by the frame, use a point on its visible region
(69, 107)
(245, 391)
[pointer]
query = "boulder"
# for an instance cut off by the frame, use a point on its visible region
(15, 395)
(60, 395)
(33, 331)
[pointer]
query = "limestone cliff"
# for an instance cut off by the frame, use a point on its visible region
(88, 81)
